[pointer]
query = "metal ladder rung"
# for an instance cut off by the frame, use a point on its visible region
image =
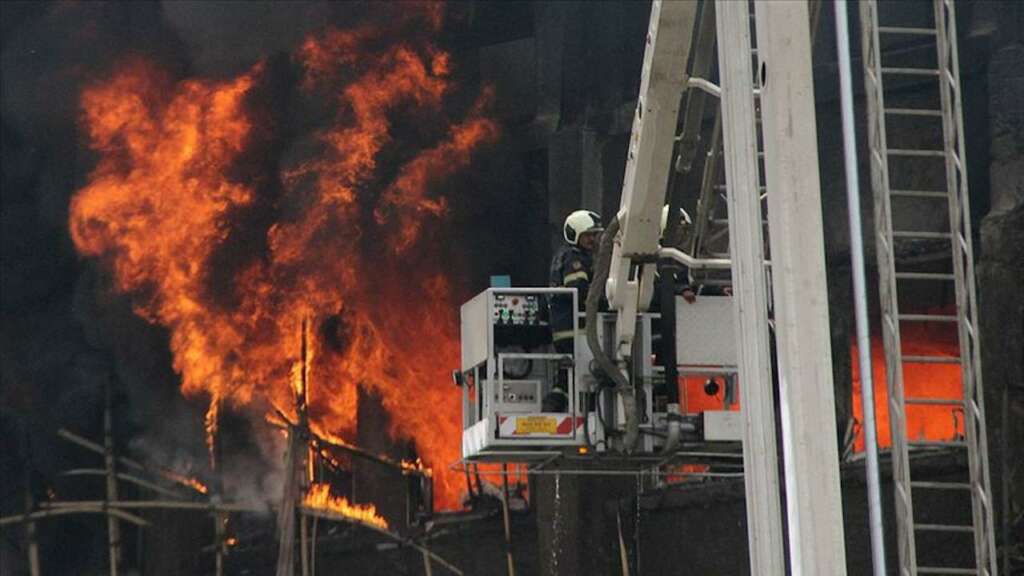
(944, 570)
(902, 30)
(724, 221)
(937, 443)
(921, 234)
(910, 71)
(934, 401)
(705, 85)
(916, 153)
(944, 528)
(924, 276)
(724, 188)
(911, 359)
(940, 485)
(913, 112)
(919, 194)
(928, 317)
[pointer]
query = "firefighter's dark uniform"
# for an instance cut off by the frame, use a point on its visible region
(570, 268)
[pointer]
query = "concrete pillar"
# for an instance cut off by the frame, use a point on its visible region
(556, 502)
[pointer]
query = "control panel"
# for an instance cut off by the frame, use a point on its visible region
(519, 396)
(517, 309)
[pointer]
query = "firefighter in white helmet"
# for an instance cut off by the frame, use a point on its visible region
(572, 267)
(682, 277)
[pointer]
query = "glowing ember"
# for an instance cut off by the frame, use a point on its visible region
(319, 497)
(197, 485)
(187, 481)
(230, 251)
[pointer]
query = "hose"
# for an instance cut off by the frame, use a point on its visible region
(602, 266)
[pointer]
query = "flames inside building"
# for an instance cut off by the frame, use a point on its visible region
(237, 237)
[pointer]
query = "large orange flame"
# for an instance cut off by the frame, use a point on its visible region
(930, 422)
(319, 496)
(351, 244)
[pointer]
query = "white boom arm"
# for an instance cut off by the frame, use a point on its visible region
(631, 275)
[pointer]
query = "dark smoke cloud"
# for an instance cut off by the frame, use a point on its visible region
(65, 334)
(224, 38)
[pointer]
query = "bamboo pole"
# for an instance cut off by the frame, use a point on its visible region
(126, 462)
(220, 519)
(304, 543)
(95, 507)
(428, 570)
(126, 477)
(163, 504)
(30, 526)
(113, 524)
(623, 553)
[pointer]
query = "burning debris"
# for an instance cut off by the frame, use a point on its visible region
(229, 247)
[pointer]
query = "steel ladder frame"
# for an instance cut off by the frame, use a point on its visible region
(961, 255)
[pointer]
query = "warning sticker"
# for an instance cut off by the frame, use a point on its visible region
(536, 425)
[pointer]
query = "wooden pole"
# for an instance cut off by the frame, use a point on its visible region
(427, 569)
(307, 462)
(30, 526)
(113, 524)
(218, 528)
(220, 518)
(507, 521)
(286, 513)
(289, 496)
(304, 543)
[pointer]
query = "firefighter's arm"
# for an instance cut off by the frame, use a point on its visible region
(576, 275)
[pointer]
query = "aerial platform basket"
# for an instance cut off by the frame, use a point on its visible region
(509, 364)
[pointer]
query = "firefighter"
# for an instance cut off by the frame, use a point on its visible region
(683, 282)
(572, 267)
(682, 273)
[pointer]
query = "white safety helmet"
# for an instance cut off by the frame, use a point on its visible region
(664, 217)
(581, 222)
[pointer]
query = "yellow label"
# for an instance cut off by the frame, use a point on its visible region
(536, 425)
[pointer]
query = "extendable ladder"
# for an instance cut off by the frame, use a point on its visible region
(915, 181)
(711, 226)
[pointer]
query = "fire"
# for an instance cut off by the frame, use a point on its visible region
(231, 252)
(188, 481)
(196, 485)
(319, 496)
(932, 422)
(416, 467)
